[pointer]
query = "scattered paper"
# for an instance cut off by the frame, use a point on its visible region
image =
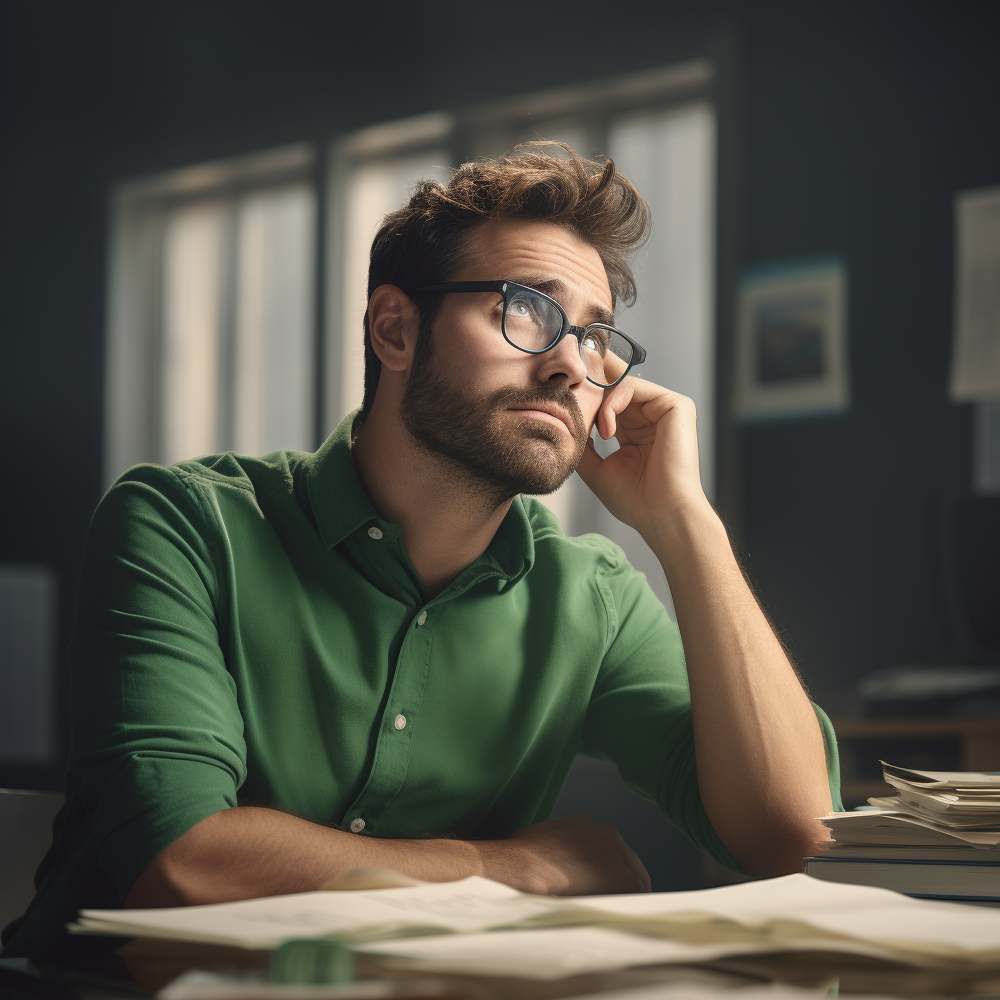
(704, 987)
(778, 914)
(972, 781)
(890, 826)
(472, 904)
(571, 951)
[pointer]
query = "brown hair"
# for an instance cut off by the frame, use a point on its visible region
(421, 243)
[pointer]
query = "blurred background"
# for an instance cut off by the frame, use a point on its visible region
(190, 192)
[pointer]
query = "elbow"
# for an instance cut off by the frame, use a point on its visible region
(784, 852)
(160, 883)
(180, 875)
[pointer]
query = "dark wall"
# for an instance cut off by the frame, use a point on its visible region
(861, 126)
(849, 129)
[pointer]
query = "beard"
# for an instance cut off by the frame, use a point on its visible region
(483, 450)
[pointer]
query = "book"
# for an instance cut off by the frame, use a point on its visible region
(933, 878)
(938, 837)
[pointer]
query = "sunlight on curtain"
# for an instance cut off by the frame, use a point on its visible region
(670, 157)
(190, 350)
(273, 363)
(373, 189)
(210, 333)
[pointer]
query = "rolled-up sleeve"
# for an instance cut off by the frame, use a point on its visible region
(639, 715)
(157, 734)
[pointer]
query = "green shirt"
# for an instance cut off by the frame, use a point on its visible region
(251, 631)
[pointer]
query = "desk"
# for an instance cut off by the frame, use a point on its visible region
(140, 968)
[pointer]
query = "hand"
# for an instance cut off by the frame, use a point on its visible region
(565, 857)
(656, 468)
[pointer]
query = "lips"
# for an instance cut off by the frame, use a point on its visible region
(552, 411)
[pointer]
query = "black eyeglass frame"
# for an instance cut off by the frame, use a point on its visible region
(638, 351)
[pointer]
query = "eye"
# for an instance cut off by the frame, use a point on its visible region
(595, 341)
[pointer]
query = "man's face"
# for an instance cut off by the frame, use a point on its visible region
(466, 381)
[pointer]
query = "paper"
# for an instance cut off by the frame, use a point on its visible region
(890, 826)
(795, 906)
(546, 953)
(702, 986)
(915, 806)
(793, 911)
(975, 366)
(471, 904)
(571, 951)
(972, 781)
(199, 984)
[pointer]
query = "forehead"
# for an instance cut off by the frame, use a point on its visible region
(515, 248)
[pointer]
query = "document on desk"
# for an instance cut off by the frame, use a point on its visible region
(792, 912)
(469, 905)
(555, 952)
(543, 953)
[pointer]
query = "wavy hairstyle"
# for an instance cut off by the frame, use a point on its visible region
(422, 242)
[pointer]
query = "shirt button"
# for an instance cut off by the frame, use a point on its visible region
(375, 533)
(422, 617)
(357, 824)
(399, 722)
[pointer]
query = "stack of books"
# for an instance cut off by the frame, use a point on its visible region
(938, 837)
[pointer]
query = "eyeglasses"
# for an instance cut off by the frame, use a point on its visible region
(535, 323)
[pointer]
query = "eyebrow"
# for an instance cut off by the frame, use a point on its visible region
(554, 287)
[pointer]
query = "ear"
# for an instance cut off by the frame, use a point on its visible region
(393, 326)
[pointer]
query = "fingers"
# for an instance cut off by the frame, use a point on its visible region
(635, 866)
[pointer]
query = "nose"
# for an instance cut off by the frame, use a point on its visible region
(564, 360)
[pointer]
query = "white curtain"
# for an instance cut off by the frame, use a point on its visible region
(211, 335)
(368, 191)
(670, 157)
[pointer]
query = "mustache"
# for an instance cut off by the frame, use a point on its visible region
(564, 400)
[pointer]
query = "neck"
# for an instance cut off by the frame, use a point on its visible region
(448, 518)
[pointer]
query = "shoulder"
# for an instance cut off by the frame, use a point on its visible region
(591, 552)
(601, 551)
(227, 474)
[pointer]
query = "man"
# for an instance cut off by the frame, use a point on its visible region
(382, 654)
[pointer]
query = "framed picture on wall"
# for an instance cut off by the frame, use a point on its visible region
(791, 357)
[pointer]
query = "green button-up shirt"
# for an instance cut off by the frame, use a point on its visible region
(251, 631)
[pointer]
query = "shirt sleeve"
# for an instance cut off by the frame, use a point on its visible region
(639, 715)
(157, 735)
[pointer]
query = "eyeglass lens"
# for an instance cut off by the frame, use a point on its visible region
(532, 322)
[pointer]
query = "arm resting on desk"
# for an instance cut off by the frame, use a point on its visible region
(248, 852)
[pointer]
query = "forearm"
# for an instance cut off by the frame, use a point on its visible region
(249, 851)
(761, 762)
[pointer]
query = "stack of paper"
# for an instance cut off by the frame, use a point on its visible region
(938, 837)
(497, 930)
(956, 800)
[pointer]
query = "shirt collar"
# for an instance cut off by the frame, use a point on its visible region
(341, 505)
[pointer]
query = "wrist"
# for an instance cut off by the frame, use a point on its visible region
(463, 857)
(511, 863)
(684, 522)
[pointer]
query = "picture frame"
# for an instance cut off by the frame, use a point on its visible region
(791, 358)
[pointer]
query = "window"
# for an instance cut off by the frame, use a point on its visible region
(212, 334)
(214, 342)
(372, 173)
(659, 127)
